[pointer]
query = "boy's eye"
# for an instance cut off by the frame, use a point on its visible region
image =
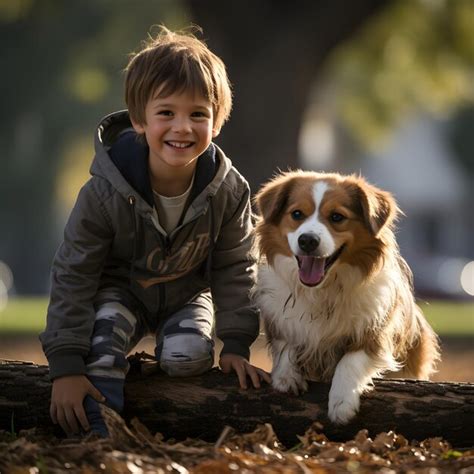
(166, 113)
(199, 114)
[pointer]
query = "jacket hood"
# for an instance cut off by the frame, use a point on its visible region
(122, 159)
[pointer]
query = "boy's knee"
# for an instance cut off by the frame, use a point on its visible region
(185, 355)
(186, 368)
(114, 328)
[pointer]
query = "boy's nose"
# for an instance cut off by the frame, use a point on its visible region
(181, 125)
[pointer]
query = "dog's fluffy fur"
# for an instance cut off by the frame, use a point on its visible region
(335, 294)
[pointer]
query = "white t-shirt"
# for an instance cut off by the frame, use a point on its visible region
(170, 208)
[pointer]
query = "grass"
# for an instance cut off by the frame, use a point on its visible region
(450, 317)
(28, 315)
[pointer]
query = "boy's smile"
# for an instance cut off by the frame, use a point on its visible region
(178, 129)
(180, 144)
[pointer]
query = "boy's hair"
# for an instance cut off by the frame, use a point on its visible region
(175, 62)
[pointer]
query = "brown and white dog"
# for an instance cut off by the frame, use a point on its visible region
(335, 294)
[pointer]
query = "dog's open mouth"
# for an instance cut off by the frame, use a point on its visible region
(312, 270)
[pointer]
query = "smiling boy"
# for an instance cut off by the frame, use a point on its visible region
(158, 241)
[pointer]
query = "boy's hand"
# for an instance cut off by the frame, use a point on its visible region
(67, 396)
(243, 368)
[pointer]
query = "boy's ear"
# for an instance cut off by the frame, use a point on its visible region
(216, 131)
(138, 127)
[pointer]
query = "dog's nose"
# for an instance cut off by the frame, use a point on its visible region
(308, 242)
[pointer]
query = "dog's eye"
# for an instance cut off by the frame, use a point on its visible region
(336, 217)
(297, 215)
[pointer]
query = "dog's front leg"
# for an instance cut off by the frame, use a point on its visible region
(352, 377)
(286, 377)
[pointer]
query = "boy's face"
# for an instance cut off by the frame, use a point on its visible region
(178, 129)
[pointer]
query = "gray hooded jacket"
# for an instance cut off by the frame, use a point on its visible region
(112, 240)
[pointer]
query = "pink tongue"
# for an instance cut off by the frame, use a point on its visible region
(311, 270)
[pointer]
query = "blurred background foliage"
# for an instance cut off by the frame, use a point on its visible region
(414, 55)
(62, 68)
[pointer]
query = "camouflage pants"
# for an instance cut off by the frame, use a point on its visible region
(184, 347)
(184, 344)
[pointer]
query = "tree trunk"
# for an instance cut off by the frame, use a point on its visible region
(203, 406)
(273, 50)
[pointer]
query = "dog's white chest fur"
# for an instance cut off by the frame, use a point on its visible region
(308, 317)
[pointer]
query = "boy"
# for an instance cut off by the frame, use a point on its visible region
(159, 235)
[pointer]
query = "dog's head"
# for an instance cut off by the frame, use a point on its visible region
(324, 220)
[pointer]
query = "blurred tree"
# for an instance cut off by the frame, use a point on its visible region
(37, 41)
(462, 138)
(273, 50)
(416, 55)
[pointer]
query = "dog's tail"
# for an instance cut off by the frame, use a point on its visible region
(425, 353)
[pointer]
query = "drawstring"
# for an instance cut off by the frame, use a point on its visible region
(131, 201)
(211, 238)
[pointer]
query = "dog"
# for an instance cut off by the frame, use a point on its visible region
(335, 295)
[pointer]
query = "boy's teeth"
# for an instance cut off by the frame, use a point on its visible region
(179, 144)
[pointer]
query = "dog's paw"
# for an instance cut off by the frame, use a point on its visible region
(342, 407)
(289, 382)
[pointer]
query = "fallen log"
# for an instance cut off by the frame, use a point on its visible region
(202, 406)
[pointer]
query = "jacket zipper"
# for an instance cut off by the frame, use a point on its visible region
(166, 248)
(165, 242)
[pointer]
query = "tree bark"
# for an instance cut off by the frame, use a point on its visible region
(202, 406)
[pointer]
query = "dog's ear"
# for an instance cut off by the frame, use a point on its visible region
(272, 198)
(379, 208)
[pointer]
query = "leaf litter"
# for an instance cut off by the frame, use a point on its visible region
(134, 449)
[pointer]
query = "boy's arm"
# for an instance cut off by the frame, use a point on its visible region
(233, 276)
(75, 275)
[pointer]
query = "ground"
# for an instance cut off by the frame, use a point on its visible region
(134, 449)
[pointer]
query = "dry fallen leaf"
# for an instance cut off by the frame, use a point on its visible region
(133, 449)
